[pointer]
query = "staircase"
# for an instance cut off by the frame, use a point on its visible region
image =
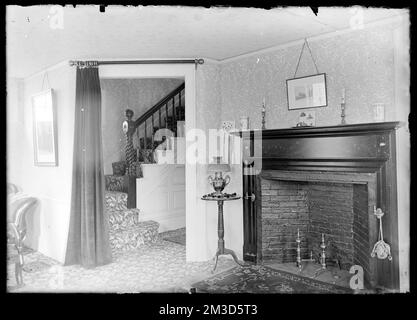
(166, 114)
(163, 115)
(126, 229)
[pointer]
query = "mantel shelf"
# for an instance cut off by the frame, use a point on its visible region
(326, 130)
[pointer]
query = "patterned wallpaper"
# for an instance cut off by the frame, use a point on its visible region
(208, 93)
(362, 62)
(117, 94)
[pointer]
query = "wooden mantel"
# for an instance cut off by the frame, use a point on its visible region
(355, 148)
(327, 130)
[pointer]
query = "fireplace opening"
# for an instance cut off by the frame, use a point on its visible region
(338, 210)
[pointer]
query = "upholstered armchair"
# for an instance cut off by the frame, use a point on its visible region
(19, 207)
(12, 189)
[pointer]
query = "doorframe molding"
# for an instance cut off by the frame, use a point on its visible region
(195, 224)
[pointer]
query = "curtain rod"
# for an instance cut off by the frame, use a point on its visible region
(195, 61)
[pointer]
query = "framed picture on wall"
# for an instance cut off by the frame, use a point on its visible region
(44, 129)
(307, 92)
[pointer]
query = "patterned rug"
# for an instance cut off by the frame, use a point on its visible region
(33, 261)
(176, 236)
(153, 267)
(262, 279)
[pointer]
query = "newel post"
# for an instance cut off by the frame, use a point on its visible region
(130, 156)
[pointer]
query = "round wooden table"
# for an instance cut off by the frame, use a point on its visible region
(221, 250)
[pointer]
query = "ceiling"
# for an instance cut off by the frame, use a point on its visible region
(123, 32)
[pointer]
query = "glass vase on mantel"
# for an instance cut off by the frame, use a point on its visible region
(379, 112)
(244, 123)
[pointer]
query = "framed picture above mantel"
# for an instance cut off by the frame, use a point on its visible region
(307, 92)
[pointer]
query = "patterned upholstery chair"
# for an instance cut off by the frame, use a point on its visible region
(12, 188)
(19, 207)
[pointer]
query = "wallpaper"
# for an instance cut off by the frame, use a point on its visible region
(209, 109)
(117, 96)
(361, 62)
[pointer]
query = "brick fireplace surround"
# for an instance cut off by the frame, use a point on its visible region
(322, 180)
(338, 205)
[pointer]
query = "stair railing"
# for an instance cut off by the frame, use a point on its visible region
(165, 113)
(130, 126)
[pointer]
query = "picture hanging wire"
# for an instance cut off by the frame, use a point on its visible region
(43, 81)
(301, 53)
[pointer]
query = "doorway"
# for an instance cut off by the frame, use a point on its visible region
(195, 224)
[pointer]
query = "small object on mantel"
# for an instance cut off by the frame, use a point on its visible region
(302, 124)
(306, 119)
(263, 114)
(244, 123)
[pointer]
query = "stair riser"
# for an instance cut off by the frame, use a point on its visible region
(116, 200)
(121, 220)
(130, 239)
(115, 183)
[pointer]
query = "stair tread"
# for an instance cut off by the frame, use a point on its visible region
(110, 192)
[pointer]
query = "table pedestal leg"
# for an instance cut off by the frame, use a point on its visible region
(221, 250)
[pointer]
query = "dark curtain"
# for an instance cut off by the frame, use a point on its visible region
(88, 237)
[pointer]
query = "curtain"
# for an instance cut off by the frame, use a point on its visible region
(88, 237)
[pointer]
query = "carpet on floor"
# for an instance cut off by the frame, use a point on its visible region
(262, 279)
(33, 260)
(176, 236)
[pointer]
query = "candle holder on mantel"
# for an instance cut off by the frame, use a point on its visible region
(343, 115)
(263, 115)
(343, 107)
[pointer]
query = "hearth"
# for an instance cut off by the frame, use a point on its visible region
(338, 207)
(322, 180)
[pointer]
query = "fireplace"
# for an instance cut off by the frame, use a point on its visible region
(336, 205)
(322, 180)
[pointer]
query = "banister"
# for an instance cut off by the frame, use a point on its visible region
(158, 105)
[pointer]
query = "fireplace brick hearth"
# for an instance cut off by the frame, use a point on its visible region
(339, 210)
(322, 180)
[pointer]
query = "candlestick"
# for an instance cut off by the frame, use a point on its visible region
(342, 114)
(263, 114)
(343, 95)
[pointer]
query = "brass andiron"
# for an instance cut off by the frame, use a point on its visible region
(298, 240)
(323, 252)
(299, 261)
(322, 257)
